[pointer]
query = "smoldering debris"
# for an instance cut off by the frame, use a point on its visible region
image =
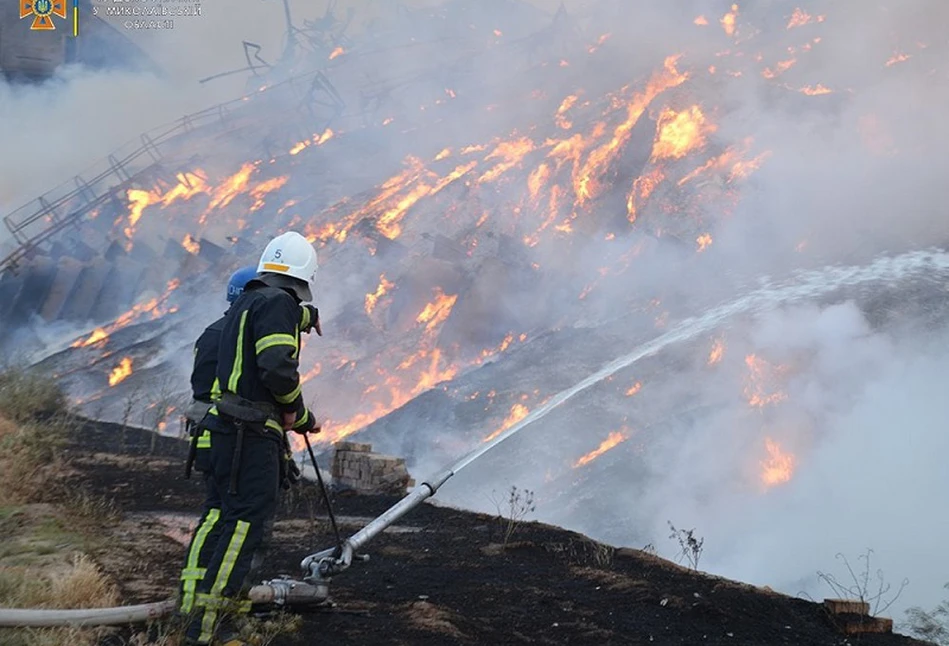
(501, 213)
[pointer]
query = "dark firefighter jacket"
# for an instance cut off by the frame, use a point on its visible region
(204, 385)
(259, 350)
(204, 371)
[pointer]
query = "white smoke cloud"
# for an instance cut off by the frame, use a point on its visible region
(853, 178)
(849, 177)
(869, 476)
(58, 128)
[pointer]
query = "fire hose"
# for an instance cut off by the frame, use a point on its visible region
(317, 571)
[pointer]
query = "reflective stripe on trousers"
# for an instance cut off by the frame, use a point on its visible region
(192, 572)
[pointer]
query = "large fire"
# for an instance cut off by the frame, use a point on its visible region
(542, 185)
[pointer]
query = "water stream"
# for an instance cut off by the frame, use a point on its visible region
(802, 285)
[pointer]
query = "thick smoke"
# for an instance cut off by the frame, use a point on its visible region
(869, 475)
(860, 407)
(850, 393)
(58, 128)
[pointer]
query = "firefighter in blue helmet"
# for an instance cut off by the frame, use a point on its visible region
(257, 401)
(205, 391)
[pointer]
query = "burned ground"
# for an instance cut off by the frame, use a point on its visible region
(440, 575)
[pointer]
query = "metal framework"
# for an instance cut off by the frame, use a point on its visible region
(36, 222)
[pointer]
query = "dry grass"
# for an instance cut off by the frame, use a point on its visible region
(34, 423)
(80, 584)
(29, 462)
(27, 396)
(40, 566)
(266, 631)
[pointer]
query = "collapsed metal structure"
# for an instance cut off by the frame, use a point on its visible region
(66, 249)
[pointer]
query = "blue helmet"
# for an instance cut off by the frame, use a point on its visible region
(235, 286)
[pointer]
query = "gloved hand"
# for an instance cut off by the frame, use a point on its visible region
(293, 473)
(306, 425)
(311, 319)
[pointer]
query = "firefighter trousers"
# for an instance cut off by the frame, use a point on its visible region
(242, 528)
(203, 541)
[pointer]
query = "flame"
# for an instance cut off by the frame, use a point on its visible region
(392, 202)
(587, 186)
(536, 181)
(435, 312)
(265, 187)
(635, 388)
(443, 154)
(430, 375)
(779, 467)
(701, 21)
(518, 412)
(565, 105)
(614, 439)
(97, 335)
(225, 192)
(728, 20)
(511, 153)
(191, 245)
(599, 42)
(121, 371)
(643, 187)
(755, 391)
(389, 223)
(139, 200)
(311, 373)
(704, 241)
(153, 306)
(316, 140)
(801, 17)
(816, 90)
(780, 68)
(678, 133)
(339, 51)
(718, 351)
(504, 345)
(498, 33)
(897, 58)
(373, 298)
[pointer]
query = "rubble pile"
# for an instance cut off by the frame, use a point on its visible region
(490, 212)
(357, 468)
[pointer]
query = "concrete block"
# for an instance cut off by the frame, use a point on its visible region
(860, 624)
(67, 275)
(355, 447)
(847, 607)
(89, 284)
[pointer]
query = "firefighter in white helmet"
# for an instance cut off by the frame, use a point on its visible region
(260, 401)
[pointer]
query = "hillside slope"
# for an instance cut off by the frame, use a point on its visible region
(440, 576)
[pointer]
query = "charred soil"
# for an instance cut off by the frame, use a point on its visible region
(441, 575)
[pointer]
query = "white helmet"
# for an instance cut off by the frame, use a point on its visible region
(290, 254)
